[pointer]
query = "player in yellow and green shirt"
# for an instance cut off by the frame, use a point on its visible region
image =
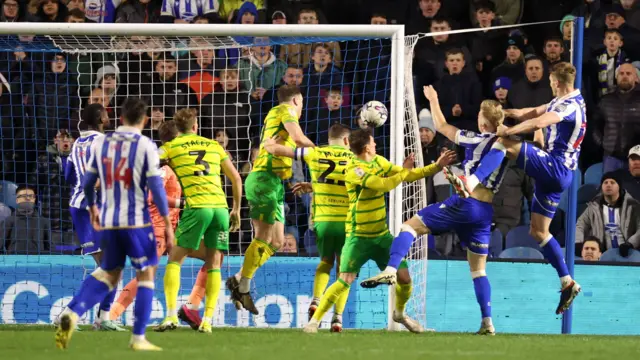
(198, 163)
(327, 165)
(265, 191)
(368, 177)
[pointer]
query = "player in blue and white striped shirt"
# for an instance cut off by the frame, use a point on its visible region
(74, 171)
(127, 165)
(552, 166)
(469, 217)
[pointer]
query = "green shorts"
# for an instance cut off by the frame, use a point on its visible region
(330, 237)
(196, 223)
(265, 194)
(358, 250)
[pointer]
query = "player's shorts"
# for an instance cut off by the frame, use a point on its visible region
(469, 218)
(138, 244)
(196, 223)
(330, 238)
(358, 250)
(87, 236)
(551, 178)
(265, 194)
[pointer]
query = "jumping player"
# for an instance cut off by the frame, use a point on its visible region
(469, 218)
(552, 167)
(127, 165)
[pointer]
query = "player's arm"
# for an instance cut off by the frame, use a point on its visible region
(539, 123)
(449, 131)
(273, 148)
(526, 113)
(359, 177)
(236, 186)
(538, 138)
(91, 175)
(69, 170)
(296, 134)
(415, 173)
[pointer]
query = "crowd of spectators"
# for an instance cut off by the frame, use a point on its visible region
(233, 87)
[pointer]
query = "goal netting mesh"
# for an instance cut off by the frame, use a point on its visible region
(231, 81)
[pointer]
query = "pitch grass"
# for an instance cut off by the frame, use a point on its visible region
(35, 343)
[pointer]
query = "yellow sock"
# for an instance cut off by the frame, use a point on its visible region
(342, 302)
(330, 297)
(256, 255)
(212, 290)
(321, 279)
(403, 293)
(172, 287)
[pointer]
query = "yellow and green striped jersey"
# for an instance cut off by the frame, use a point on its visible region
(274, 125)
(197, 163)
(367, 216)
(328, 165)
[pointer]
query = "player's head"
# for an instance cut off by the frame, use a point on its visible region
(339, 135)
(291, 94)
(134, 112)
(361, 143)
(490, 116)
(186, 120)
(93, 117)
(562, 77)
(167, 131)
(591, 249)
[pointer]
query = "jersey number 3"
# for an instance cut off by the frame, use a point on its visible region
(200, 161)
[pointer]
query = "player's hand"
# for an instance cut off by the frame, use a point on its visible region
(456, 110)
(269, 143)
(516, 114)
(302, 188)
(409, 162)
(95, 217)
(502, 130)
(234, 220)
(446, 158)
(430, 93)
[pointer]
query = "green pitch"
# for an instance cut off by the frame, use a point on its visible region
(35, 343)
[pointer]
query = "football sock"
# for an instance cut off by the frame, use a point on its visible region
(198, 291)
(256, 255)
(105, 304)
(143, 307)
(172, 287)
(125, 299)
(553, 253)
(321, 280)
(91, 292)
(330, 298)
(489, 164)
(401, 246)
(342, 302)
(482, 288)
(403, 293)
(212, 290)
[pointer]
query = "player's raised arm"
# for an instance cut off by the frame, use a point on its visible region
(236, 186)
(296, 134)
(449, 131)
(526, 113)
(539, 123)
(273, 148)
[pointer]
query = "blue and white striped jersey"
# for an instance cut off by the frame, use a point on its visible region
(80, 155)
(189, 9)
(476, 146)
(101, 11)
(562, 140)
(124, 160)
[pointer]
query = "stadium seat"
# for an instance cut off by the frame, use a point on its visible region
(8, 193)
(614, 256)
(593, 175)
(587, 192)
(521, 253)
(519, 237)
(496, 245)
(310, 242)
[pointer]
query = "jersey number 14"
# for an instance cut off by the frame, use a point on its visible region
(122, 173)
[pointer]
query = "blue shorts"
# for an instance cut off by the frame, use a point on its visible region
(138, 244)
(469, 218)
(87, 236)
(550, 175)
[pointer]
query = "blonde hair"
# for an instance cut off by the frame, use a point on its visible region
(185, 118)
(492, 112)
(564, 73)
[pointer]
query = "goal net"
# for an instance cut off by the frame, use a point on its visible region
(231, 80)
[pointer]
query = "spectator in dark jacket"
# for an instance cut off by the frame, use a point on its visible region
(617, 122)
(52, 11)
(486, 46)
(630, 178)
(534, 89)
(420, 17)
(164, 83)
(428, 143)
(507, 202)
(13, 10)
(501, 89)
(25, 231)
(607, 61)
(53, 189)
(139, 12)
(460, 93)
(513, 65)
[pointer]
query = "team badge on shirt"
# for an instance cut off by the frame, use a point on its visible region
(359, 172)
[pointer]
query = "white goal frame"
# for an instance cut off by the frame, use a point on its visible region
(395, 32)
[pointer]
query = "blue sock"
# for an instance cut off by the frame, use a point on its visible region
(400, 248)
(105, 304)
(489, 164)
(143, 305)
(90, 293)
(483, 295)
(553, 252)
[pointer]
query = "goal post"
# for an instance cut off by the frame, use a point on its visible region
(400, 136)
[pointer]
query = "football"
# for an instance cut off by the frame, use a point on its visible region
(374, 113)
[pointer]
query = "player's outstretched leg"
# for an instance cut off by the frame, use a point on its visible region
(338, 310)
(490, 162)
(482, 288)
(403, 294)
(329, 299)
